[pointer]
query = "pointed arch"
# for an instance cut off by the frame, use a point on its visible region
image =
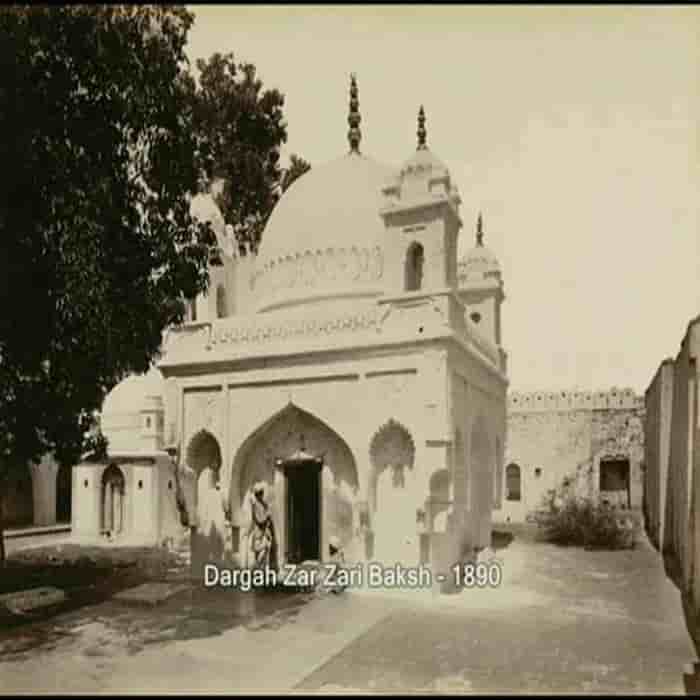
(203, 452)
(392, 443)
(282, 433)
(113, 499)
(393, 511)
(278, 453)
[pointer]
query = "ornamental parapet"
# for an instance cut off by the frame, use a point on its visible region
(575, 400)
(418, 318)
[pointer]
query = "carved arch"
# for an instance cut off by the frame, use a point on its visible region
(203, 452)
(286, 431)
(392, 444)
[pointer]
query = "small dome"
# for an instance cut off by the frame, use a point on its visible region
(423, 161)
(122, 409)
(133, 394)
(480, 261)
(422, 176)
(324, 237)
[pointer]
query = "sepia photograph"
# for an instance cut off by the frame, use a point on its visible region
(349, 349)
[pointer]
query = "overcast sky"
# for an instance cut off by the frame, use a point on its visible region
(574, 130)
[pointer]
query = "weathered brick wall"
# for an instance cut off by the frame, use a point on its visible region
(567, 434)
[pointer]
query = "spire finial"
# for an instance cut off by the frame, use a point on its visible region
(480, 230)
(421, 133)
(354, 118)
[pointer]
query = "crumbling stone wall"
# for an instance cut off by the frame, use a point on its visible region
(565, 436)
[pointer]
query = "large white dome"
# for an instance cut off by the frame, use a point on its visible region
(324, 239)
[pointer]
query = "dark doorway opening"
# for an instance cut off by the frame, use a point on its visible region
(512, 482)
(63, 495)
(615, 482)
(303, 513)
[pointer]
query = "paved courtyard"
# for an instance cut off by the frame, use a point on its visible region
(563, 620)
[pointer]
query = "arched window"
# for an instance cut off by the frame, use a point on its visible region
(221, 311)
(413, 273)
(113, 497)
(512, 482)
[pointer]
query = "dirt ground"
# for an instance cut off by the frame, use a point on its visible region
(562, 620)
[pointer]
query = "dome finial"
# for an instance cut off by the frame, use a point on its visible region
(421, 133)
(480, 230)
(354, 118)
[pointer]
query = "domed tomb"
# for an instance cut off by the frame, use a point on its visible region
(324, 238)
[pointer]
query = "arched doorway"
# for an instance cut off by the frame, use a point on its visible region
(113, 500)
(63, 494)
(392, 454)
(208, 535)
(513, 483)
(310, 479)
(204, 460)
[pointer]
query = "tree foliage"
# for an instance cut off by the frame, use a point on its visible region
(297, 167)
(98, 248)
(241, 128)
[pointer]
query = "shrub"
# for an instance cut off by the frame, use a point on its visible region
(585, 523)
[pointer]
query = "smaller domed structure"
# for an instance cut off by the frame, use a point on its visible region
(126, 405)
(422, 176)
(479, 262)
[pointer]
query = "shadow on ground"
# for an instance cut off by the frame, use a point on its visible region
(87, 575)
(500, 539)
(99, 630)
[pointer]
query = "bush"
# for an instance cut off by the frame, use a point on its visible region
(586, 523)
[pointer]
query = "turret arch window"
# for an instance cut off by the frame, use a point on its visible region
(413, 272)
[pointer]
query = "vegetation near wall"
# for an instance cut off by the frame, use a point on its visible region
(571, 520)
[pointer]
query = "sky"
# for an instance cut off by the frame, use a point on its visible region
(573, 129)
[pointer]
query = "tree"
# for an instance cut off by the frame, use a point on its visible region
(297, 167)
(98, 248)
(241, 129)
